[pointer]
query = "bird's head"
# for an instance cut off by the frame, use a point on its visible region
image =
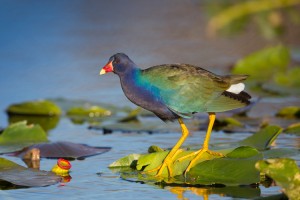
(118, 63)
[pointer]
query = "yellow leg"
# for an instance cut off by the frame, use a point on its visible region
(168, 161)
(198, 154)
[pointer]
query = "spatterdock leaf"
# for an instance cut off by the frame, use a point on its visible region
(21, 134)
(126, 161)
(262, 139)
(92, 111)
(285, 172)
(22, 176)
(293, 129)
(280, 153)
(289, 111)
(41, 107)
(151, 161)
(230, 170)
(64, 150)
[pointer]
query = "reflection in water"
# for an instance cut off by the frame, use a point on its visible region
(236, 192)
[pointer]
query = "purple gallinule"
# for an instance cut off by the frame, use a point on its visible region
(176, 91)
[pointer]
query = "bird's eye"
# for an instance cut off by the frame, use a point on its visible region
(116, 61)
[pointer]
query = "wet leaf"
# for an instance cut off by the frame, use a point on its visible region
(270, 60)
(132, 116)
(67, 104)
(263, 138)
(280, 153)
(41, 107)
(260, 140)
(64, 150)
(92, 111)
(228, 171)
(293, 128)
(126, 161)
(289, 111)
(20, 133)
(19, 175)
(285, 172)
(154, 148)
(46, 122)
(227, 122)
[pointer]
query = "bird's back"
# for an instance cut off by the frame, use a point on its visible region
(187, 89)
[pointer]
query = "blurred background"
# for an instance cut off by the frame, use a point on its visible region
(54, 49)
(51, 49)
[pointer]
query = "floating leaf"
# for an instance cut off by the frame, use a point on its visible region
(269, 60)
(93, 111)
(285, 172)
(228, 122)
(228, 170)
(46, 122)
(41, 107)
(19, 175)
(19, 135)
(293, 128)
(132, 116)
(153, 160)
(289, 111)
(64, 150)
(280, 153)
(154, 148)
(126, 161)
(262, 139)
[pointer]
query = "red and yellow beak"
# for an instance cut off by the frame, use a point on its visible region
(107, 68)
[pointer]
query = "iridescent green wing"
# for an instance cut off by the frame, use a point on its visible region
(185, 89)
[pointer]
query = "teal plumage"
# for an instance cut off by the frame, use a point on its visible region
(187, 89)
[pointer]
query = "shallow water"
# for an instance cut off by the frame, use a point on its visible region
(55, 49)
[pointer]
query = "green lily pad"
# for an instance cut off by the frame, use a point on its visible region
(93, 111)
(126, 161)
(228, 122)
(270, 60)
(19, 135)
(231, 170)
(46, 122)
(260, 140)
(280, 153)
(263, 138)
(290, 111)
(22, 176)
(293, 128)
(132, 116)
(285, 172)
(41, 107)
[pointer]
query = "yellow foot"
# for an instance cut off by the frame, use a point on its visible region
(198, 155)
(168, 162)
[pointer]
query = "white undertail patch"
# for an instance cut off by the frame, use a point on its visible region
(236, 88)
